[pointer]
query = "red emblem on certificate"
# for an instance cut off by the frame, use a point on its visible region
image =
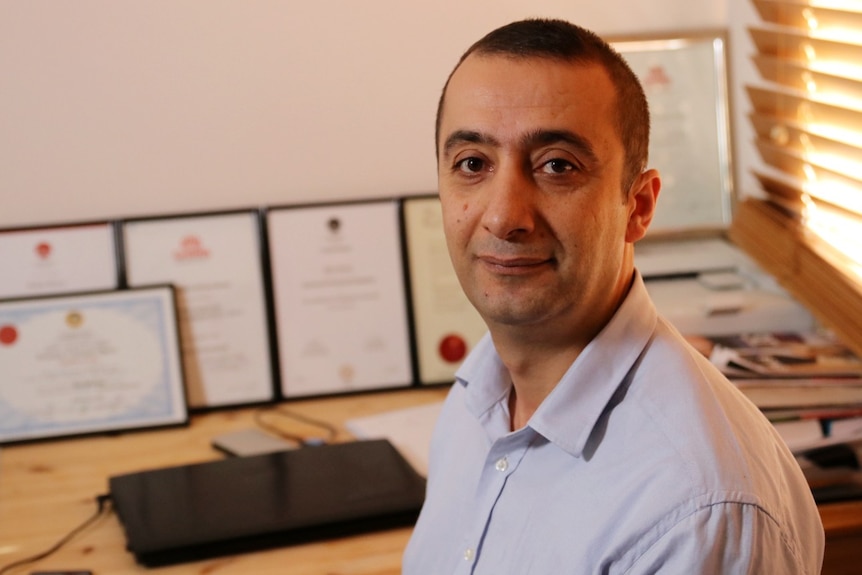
(191, 247)
(452, 348)
(43, 250)
(8, 335)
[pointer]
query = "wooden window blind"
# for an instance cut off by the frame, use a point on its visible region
(805, 227)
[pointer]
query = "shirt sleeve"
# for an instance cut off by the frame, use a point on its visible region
(729, 537)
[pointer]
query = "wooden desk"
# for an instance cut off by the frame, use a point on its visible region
(843, 525)
(47, 489)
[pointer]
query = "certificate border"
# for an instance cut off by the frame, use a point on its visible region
(672, 40)
(174, 353)
(415, 367)
(409, 267)
(114, 229)
(263, 269)
(397, 202)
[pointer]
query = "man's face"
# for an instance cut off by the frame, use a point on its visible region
(529, 173)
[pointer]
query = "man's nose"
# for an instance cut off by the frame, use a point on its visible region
(509, 208)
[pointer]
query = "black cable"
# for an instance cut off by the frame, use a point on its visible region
(101, 501)
(329, 428)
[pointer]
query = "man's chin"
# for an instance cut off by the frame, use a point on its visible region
(511, 316)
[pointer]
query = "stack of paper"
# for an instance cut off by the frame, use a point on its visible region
(808, 384)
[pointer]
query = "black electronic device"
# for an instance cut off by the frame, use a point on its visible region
(203, 510)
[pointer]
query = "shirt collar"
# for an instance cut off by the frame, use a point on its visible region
(490, 378)
(570, 412)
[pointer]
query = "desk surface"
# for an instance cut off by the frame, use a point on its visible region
(48, 488)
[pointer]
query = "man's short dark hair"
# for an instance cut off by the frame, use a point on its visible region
(567, 42)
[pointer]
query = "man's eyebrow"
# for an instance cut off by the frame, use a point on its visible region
(529, 140)
(547, 137)
(468, 137)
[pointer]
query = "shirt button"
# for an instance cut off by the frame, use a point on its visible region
(502, 464)
(468, 554)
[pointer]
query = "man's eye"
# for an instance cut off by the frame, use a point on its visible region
(470, 165)
(557, 166)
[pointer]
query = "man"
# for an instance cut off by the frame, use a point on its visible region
(582, 435)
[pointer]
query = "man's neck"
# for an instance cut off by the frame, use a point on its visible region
(535, 371)
(537, 357)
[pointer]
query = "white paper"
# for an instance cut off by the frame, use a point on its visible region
(57, 260)
(89, 363)
(215, 263)
(447, 326)
(409, 429)
(339, 295)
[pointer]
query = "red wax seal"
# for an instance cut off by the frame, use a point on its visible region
(8, 335)
(43, 249)
(452, 348)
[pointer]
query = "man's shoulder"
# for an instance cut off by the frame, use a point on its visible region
(718, 436)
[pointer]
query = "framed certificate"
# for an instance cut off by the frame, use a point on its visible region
(446, 326)
(89, 363)
(58, 260)
(216, 263)
(340, 302)
(685, 81)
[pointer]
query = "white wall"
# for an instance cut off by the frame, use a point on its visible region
(741, 15)
(115, 108)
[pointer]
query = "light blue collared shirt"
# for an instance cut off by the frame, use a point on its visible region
(643, 459)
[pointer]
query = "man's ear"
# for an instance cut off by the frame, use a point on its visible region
(642, 199)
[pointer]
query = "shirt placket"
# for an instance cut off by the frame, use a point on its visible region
(502, 461)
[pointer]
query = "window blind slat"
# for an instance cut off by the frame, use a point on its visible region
(795, 136)
(841, 58)
(824, 87)
(802, 15)
(835, 122)
(816, 180)
(788, 195)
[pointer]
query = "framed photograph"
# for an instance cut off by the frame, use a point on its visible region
(89, 363)
(58, 259)
(685, 80)
(340, 303)
(215, 261)
(446, 326)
